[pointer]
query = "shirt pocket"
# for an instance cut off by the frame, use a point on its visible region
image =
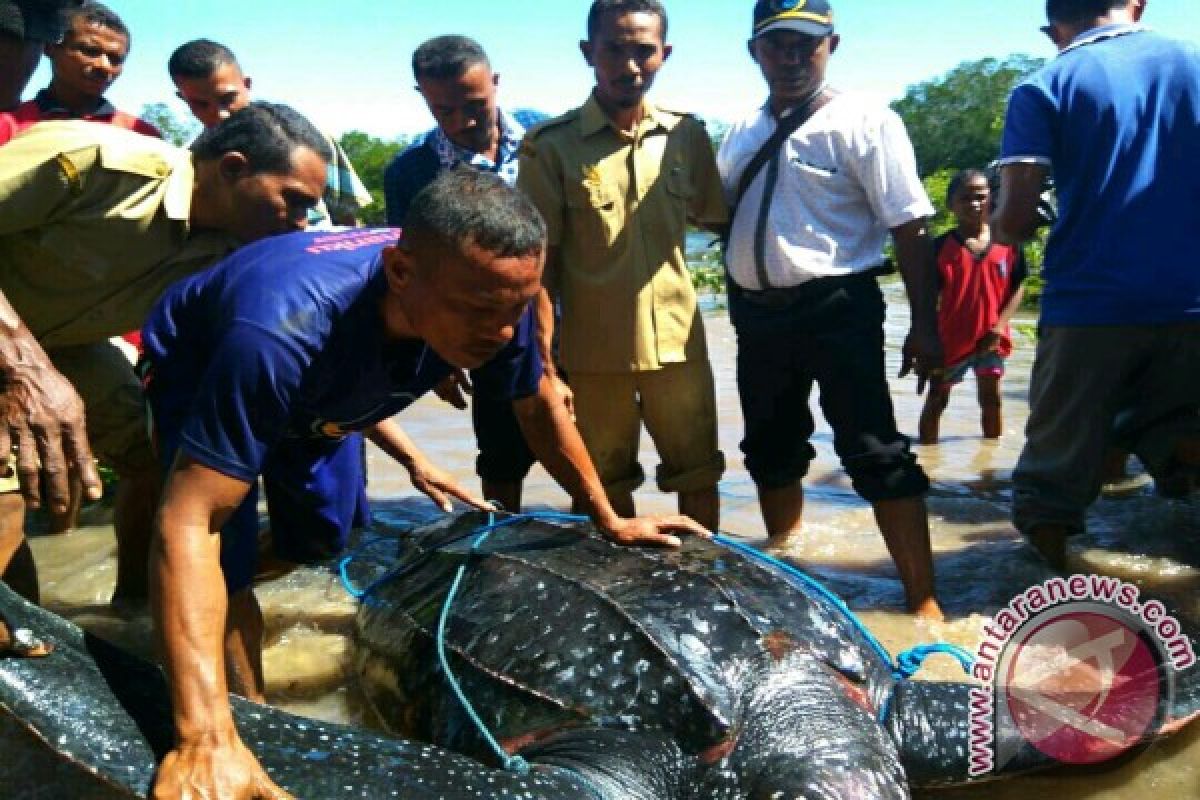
(595, 215)
(813, 170)
(680, 191)
(679, 183)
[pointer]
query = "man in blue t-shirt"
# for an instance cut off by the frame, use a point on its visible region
(455, 78)
(262, 365)
(1115, 117)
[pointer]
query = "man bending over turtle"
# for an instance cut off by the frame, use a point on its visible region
(264, 364)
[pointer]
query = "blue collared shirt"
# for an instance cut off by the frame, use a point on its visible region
(1115, 116)
(512, 131)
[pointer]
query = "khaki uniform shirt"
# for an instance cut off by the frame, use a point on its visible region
(617, 206)
(93, 227)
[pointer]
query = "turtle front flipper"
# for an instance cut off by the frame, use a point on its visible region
(931, 725)
(91, 721)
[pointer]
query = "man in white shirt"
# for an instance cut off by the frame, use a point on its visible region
(806, 244)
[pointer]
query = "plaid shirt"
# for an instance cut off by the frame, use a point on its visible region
(414, 168)
(512, 131)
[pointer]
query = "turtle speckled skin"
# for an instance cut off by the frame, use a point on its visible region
(767, 689)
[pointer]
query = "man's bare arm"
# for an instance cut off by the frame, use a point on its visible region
(554, 439)
(435, 483)
(188, 599)
(1015, 219)
(43, 415)
(917, 262)
(543, 313)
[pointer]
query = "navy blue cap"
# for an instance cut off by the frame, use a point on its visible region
(812, 17)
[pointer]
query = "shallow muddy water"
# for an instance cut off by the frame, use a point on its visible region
(981, 563)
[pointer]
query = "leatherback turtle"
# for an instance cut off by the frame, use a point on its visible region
(698, 713)
(92, 721)
(731, 678)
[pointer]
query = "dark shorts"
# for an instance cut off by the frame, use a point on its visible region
(504, 456)
(829, 332)
(316, 494)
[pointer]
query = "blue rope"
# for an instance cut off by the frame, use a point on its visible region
(909, 662)
(906, 664)
(353, 556)
(512, 763)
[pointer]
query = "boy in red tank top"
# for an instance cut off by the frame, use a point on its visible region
(980, 289)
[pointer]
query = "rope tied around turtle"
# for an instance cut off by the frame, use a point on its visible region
(903, 667)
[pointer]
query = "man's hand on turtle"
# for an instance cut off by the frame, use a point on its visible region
(224, 770)
(440, 486)
(653, 530)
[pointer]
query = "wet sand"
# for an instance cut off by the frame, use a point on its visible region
(981, 562)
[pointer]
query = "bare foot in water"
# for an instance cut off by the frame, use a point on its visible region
(929, 610)
(778, 546)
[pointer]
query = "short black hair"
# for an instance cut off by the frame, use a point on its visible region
(267, 134)
(602, 7)
(1075, 11)
(960, 180)
(198, 59)
(447, 57)
(100, 15)
(467, 206)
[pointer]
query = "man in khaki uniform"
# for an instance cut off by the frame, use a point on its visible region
(95, 222)
(617, 181)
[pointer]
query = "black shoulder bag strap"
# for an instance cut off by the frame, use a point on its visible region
(788, 124)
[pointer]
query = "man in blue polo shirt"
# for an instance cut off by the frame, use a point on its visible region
(1115, 117)
(262, 366)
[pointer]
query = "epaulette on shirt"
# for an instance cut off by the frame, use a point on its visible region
(75, 164)
(682, 114)
(143, 163)
(532, 133)
(554, 122)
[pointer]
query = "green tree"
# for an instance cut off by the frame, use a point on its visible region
(370, 156)
(717, 131)
(955, 121)
(175, 130)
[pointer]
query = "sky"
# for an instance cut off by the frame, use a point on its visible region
(346, 63)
